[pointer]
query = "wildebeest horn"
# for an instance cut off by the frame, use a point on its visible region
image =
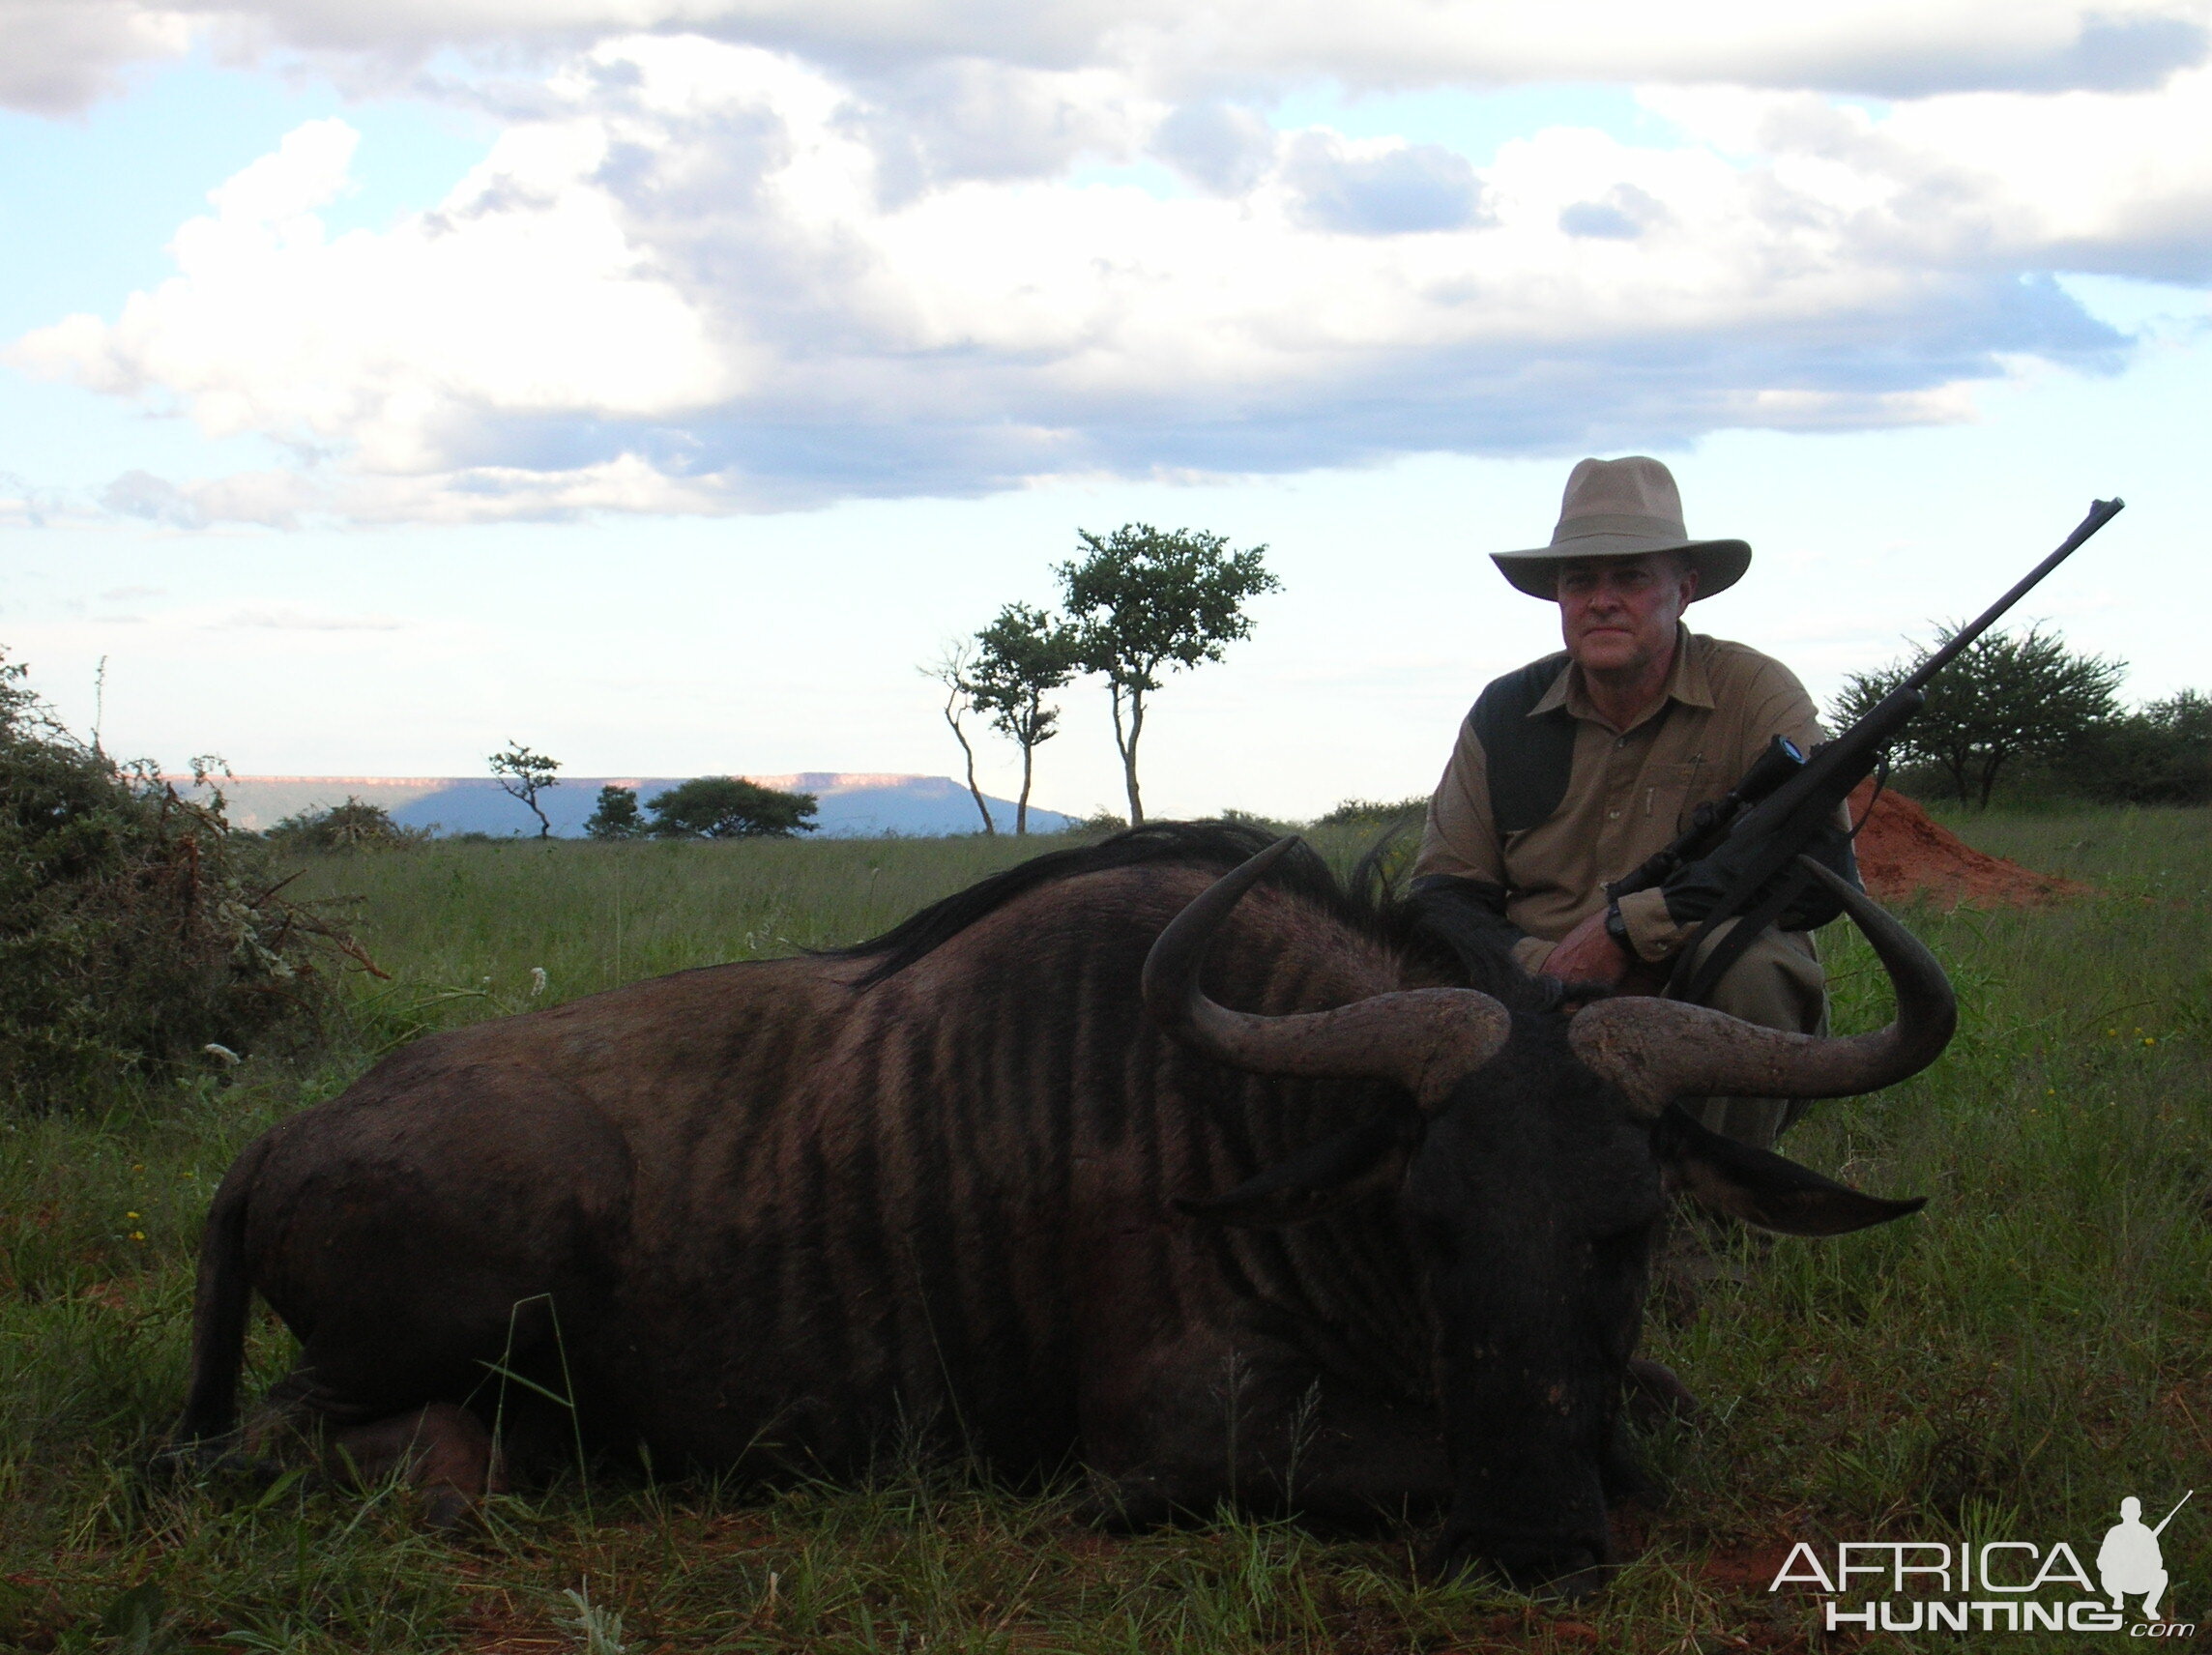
(1426, 1039)
(1657, 1050)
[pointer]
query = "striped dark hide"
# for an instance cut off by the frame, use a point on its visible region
(787, 1214)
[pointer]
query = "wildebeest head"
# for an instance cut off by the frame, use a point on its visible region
(1531, 1167)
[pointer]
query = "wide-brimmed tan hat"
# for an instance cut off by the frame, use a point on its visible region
(1617, 508)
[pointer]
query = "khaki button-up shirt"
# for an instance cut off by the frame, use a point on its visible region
(1629, 792)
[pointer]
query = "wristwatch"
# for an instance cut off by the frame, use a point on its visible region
(1616, 928)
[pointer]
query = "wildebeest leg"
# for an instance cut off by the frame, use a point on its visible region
(1205, 1420)
(423, 1253)
(442, 1451)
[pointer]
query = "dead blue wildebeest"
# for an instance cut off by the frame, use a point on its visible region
(1160, 1157)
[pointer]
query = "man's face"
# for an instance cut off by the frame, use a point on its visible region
(1620, 614)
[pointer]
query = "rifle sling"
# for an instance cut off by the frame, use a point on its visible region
(1706, 972)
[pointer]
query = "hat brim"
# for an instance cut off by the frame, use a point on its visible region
(1720, 563)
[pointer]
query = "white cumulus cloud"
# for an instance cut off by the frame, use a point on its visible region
(700, 277)
(63, 52)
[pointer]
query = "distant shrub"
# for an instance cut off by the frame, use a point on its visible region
(353, 826)
(137, 928)
(1260, 824)
(2159, 754)
(616, 815)
(729, 807)
(1359, 812)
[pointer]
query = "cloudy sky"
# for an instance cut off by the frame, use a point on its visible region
(659, 381)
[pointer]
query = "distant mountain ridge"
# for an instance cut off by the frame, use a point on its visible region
(852, 803)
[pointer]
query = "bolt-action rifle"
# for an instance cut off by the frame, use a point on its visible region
(1787, 799)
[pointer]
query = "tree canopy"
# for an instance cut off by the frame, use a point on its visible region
(1143, 602)
(729, 807)
(524, 775)
(2009, 696)
(2161, 753)
(1021, 658)
(615, 815)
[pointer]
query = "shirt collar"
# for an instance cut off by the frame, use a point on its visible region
(1686, 682)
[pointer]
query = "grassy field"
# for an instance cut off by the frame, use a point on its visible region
(2006, 1365)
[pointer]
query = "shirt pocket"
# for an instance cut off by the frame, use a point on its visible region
(1673, 791)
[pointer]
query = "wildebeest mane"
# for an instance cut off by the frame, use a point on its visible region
(1371, 907)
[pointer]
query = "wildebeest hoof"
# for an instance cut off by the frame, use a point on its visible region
(441, 1450)
(224, 1459)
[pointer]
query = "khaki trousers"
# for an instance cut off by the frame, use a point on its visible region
(1778, 984)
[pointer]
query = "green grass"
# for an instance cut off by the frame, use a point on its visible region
(2007, 1364)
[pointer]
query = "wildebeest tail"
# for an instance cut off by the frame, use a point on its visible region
(221, 1301)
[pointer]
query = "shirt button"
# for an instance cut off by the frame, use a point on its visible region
(1613, 816)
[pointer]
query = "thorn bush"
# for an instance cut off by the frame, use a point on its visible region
(136, 927)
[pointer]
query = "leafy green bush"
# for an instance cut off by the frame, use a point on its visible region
(138, 930)
(1364, 812)
(353, 826)
(2159, 754)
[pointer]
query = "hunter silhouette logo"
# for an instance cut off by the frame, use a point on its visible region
(1992, 1586)
(2130, 1561)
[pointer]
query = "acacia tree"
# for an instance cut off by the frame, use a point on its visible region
(615, 815)
(953, 669)
(1020, 658)
(729, 807)
(2008, 696)
(524, 775)
(1144, 602)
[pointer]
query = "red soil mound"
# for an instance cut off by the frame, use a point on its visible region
(1901, 854)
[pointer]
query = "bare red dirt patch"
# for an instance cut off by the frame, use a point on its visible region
(1904, 855)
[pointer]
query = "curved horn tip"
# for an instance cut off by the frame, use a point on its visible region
(1654, 1050)
(1171, 968)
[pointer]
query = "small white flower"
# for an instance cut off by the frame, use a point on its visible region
(536, 979)
(230, 1058)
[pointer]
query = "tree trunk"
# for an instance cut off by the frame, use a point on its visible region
(961, 736)
(1022, 804)
(1126, 744)
(1961, 783)
(1990, 768)
(1129, 758)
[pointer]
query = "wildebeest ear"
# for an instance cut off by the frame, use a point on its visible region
(1762, 1188)
(1334, 1171)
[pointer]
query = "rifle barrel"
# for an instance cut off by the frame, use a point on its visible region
(2168, 1517)
(2101, 512)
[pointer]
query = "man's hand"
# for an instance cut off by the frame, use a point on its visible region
(1588, 953)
